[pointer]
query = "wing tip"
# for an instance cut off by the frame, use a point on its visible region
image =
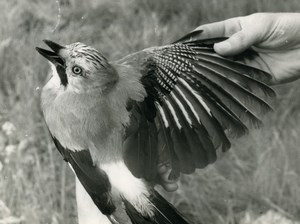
(188, 37)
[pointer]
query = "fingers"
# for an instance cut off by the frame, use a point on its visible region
(238, 41)
(236, 44)
(213, 30)
(219, 29)
(169, 185)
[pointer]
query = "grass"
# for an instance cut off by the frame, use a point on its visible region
(261, 171)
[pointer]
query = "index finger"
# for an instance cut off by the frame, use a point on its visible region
(224, 28)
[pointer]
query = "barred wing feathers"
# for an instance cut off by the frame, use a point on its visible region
(196, 99)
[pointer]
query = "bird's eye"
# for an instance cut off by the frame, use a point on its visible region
(77, 70)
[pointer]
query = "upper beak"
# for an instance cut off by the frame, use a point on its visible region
(52, 56)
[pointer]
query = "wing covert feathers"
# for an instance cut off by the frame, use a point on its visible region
(199, 99)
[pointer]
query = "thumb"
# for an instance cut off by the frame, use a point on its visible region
(236, 44)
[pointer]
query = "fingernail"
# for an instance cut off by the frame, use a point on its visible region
(223, 46)
(170, 187)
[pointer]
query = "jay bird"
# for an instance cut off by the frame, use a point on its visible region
(114, 121)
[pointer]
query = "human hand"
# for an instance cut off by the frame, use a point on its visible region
(274, 36)
(164, 170)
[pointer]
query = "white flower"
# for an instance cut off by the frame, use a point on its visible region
(10, 149)
(8, 128)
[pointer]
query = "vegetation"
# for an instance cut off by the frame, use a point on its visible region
(260, 173)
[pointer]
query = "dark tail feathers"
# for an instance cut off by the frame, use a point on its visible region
(164, 212)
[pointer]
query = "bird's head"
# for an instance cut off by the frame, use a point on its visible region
(80, 67)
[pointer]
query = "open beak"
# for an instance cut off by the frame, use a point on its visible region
(52, 56)
(56, 59)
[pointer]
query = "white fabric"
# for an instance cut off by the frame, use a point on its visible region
(88, 213)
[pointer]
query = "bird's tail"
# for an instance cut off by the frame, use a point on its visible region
(162, 212)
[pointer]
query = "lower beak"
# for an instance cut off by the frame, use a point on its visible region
(56, 59)
(52, 56)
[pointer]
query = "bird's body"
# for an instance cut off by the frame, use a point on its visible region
(113, 121)
(73, 118)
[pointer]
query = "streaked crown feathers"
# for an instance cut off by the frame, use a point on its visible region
(89, 55)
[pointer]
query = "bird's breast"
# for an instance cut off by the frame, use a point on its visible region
(86, 122)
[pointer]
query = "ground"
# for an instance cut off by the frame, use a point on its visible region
(259, 175)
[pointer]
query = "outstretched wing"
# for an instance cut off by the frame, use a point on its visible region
(196, 99)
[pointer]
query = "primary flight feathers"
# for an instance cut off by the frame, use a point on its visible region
(196, 98)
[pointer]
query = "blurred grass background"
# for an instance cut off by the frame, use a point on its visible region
(260, 173)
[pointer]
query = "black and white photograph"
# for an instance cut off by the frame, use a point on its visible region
(149, 112)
